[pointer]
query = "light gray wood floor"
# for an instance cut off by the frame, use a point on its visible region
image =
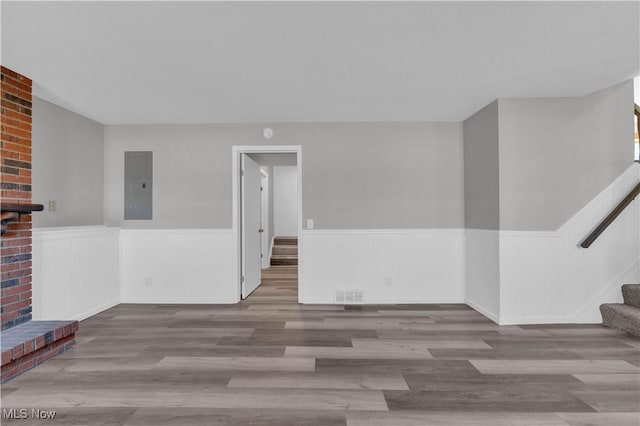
(271, 361)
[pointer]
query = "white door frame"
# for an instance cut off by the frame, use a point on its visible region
(250, 236)
(265, 245)
(236, 152)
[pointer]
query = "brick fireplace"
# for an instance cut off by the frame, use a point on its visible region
(16, 187)
(25, 343)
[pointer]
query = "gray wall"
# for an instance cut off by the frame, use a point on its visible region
(556, 154)
(68, 152)
(355, 175)
(481, 171)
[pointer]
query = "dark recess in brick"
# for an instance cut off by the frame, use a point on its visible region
(10, 283)
(16, 163)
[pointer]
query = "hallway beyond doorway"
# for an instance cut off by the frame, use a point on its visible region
(279, 285)
(279, 282)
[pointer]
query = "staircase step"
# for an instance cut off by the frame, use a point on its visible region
(286, 241)
(631, 294)
(622, 317)
(286, 250)
(284, 260)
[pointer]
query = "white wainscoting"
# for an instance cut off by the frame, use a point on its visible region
(177, 266)
(482, 270)
(545, 277)
(75, 271)
(390, 266)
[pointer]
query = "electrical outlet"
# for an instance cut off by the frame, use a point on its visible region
(309, 223)
(52, 205)
(388, 282)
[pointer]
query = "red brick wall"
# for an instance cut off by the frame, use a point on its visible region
(15, 184)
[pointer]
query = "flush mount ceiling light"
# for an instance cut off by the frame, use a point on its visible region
(267, 133)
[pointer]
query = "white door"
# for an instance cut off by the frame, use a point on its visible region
(250, 178)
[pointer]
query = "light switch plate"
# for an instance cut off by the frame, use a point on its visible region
(52, 205)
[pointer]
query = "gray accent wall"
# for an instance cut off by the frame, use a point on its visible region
(68, 166)
(557, 154)
(481, 169)
(355, 175)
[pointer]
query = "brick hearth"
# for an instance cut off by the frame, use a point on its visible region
(32, 343)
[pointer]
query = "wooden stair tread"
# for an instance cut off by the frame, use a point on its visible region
(288, 250)
(284, 260)
(291, 241)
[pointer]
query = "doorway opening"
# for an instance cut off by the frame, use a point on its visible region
(267, 221)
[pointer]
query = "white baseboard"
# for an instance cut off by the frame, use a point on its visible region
(95, 310)
(611, 293)
(520, 320)
(484, 311)
(416, 301)
(177, 301)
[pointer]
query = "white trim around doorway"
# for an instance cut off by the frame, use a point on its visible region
(236, 152)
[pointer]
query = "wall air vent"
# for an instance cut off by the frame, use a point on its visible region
(350, 297)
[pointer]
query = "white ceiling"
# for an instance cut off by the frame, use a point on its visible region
(196, 62)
